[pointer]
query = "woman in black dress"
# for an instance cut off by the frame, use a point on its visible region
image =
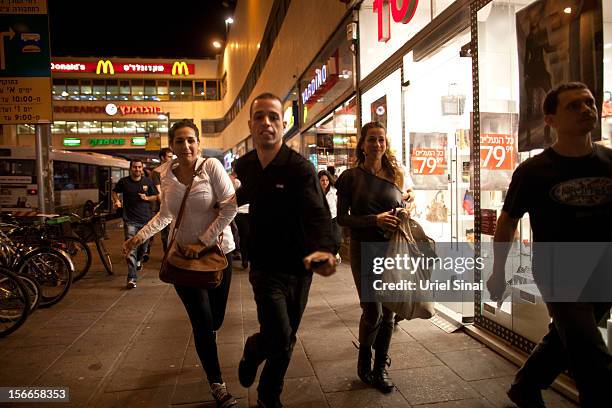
(367, 196)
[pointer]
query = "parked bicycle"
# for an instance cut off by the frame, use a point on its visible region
(14, 302)
(92, 228)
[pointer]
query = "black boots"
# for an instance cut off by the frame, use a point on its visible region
(364, 364)
(380, 377)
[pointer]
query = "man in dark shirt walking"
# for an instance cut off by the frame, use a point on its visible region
(567, 191)
(291, 236)
(138, 192)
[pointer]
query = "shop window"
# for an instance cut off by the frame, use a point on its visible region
(152, 126)
(137, 89)
(59, 127)
(86, 90)
(72, 128)
(130, 126)
(200, 93)
(107, 127)
(162, 90)
(224, 85)
(212, 93)
(59, 89)
(141, 127)
(186, 90)
(84, 127)
(26, 129)
(175, 90)
(112, 89)
(150, 90)
(124, 89)
(99, 89)
(118, 127)
(96, 127)
(72, 87)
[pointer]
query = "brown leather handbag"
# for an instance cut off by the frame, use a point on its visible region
(206, 271)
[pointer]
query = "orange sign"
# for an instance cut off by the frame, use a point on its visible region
(428, 161)
(497, 151)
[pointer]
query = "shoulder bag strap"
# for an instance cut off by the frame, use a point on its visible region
(179, 217)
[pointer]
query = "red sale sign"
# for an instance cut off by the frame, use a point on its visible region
(497, 151)
(428, 161)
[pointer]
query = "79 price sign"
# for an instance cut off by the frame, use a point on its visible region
(428, 161)
(497, 151)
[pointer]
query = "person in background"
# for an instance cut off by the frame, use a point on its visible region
(138, 192)
(209, 208)
(327, 185)
(367, 197)
(332, 171)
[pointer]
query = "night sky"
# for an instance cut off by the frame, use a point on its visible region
(136, 28)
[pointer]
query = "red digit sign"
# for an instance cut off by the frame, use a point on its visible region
(402, 13)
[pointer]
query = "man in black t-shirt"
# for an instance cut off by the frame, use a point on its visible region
(567, 191)
(138, 192)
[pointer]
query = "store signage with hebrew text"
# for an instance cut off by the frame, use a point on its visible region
(108, 67)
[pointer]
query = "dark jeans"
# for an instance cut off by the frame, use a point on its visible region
(573, 341)
(281, 300)
(376, 323)
(337, 232)
(135, 255)
(242, 222)
(206, 310)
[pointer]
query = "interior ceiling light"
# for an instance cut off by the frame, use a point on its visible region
(567, 10)
(216, 44)
(229, 20)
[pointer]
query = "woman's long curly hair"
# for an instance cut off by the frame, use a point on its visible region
(389, 162)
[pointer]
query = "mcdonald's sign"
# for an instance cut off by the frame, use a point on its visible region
(112, 67)
(106, 67)
(180, 68)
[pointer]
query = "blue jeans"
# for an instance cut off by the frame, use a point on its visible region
(130, 229)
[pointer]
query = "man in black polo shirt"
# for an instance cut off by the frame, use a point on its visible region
(138, 192)
(291, 236)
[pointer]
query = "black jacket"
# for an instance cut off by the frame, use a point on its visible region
(288, 212)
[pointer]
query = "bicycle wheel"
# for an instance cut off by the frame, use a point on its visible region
(52, 269)
(104, 256)
(33, 291)
(14, 302)
(79, 252)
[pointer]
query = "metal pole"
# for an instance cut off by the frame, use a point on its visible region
(44, 169)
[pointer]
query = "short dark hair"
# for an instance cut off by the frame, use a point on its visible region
(164, 151)
(182, 124)
(551, 101)
(132, 161)
(265, 95)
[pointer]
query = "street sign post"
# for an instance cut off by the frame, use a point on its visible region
(25, 62)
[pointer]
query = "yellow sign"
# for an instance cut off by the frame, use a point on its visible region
(180, 68)
(25, 100)
(106, 67)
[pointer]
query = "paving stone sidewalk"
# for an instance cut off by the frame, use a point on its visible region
(115, 347)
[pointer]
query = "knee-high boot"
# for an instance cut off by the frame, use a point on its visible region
(364, 364)
(380, 377)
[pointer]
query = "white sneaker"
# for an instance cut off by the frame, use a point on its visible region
(131, 284)
(224, 399)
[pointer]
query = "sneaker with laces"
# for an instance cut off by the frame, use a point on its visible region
(526, 397)
(219, 392)
(131, 284)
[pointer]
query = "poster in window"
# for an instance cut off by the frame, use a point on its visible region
(558, 41)
(428, 160)
(379, 110)
(498, 149)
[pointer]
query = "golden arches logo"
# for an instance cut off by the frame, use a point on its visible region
(180, 68)
(105, 66)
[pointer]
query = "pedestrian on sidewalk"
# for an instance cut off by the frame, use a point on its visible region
(165, 155)
(566, 190)
(209, 209)
(290, 238)
(138, 192)
(367, 196)
(328, 181)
